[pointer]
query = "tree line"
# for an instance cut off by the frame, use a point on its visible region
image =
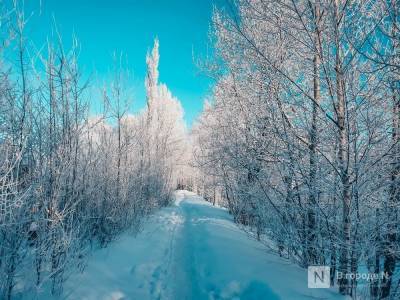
(300, 137)
(71, 181)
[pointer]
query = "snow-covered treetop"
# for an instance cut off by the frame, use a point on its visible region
(151, 81)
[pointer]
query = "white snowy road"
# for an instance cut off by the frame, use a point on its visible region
(190, 250)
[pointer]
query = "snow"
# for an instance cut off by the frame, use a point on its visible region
(190, 250)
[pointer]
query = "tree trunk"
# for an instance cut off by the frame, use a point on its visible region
(342, 154)
(311, 234)
(391, 239)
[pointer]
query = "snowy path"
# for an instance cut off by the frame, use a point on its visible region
(190, 250)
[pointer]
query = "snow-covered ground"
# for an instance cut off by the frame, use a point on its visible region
(190, 250)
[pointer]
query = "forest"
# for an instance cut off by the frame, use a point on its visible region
(299, 139)
(70, 181)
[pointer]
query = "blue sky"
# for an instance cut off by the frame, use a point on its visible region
(105, 26)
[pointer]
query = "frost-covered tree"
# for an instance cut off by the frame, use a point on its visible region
(165, 129)
(69, 181)
(297, 133)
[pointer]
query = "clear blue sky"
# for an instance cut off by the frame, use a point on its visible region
(105, 26)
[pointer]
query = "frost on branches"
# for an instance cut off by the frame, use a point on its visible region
(301, 135)
(69, 181)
